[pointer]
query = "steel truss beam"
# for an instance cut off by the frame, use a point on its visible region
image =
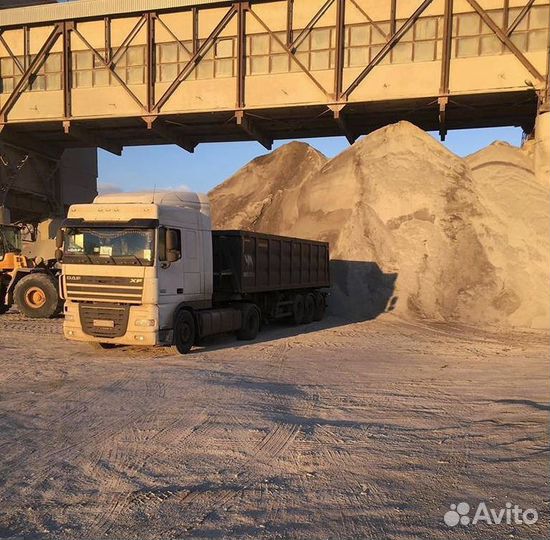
(151, 61)
(67, 70)
(444, 88)
(521, 15)
(196, 58)
(309, 26)
(340, 48)
(20, 67)
(342, 122)
(89, 138)
(111, 68)
(505, 40)
(390, 44)
(241, 55)
(335, 98)
(369, 19)
(169, 133)
(248, 125)
(30, 72)
(289, 52)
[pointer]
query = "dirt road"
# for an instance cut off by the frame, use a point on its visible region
(367, 430)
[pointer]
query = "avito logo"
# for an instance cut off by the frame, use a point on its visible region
(509, 515)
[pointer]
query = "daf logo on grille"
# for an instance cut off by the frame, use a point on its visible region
(74, 278)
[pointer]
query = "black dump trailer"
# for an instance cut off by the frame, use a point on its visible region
(284, 277)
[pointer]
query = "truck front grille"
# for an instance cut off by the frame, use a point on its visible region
(104, 289)
(104, 321)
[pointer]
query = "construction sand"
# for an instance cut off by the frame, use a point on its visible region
(329, 430)
(413, 228)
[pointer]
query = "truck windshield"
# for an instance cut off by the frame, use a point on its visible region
(10, 241)
(109, 246)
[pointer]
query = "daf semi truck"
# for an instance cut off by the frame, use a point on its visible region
(147, 269)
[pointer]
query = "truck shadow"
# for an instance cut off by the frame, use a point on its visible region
(360, 292)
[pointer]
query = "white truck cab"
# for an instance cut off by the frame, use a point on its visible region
(135, 258)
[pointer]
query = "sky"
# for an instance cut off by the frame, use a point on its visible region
(169, 167)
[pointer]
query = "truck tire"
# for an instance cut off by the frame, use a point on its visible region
(37, 297)
(185, 331)
(251, 323)
(309, 308)
(298, 309)
(320, 307)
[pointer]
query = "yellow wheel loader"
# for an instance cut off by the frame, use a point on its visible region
(30, 284)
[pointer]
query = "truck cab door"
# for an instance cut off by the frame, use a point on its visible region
(171, 265)
(192, 284)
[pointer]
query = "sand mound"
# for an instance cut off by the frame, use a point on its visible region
(514, 231)
(259, 193)
(412, 226)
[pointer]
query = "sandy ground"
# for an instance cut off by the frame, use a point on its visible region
(367, 430)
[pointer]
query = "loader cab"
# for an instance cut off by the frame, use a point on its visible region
(10, 245)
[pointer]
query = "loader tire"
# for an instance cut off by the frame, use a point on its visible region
(36, 296)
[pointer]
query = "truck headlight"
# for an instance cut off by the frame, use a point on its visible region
(146, 322)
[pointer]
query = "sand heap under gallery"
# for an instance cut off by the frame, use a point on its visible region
(413, 228)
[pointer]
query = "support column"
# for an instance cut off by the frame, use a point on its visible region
(5, 216)
(542, 147)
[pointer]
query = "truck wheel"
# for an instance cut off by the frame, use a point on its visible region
(37, 297)
(298, 309)
(251, 323)
(309, 308)
(184, 332)
(320, 306)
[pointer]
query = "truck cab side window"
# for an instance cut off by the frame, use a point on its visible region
(169, 244)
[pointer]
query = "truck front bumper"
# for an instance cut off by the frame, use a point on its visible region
(130, 338)
(141, 328)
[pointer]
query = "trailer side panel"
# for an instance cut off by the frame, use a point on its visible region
(248, 262)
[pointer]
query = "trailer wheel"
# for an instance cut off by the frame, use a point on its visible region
(184, 332)
(309, 308)
(298, 309)
(251, 323)
(320, 306)
(37, 297)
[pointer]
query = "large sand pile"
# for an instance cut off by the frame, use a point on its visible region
(412, 226)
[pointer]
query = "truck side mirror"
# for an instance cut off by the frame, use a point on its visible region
(58, 254)
(59, 238)
(173, 246)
